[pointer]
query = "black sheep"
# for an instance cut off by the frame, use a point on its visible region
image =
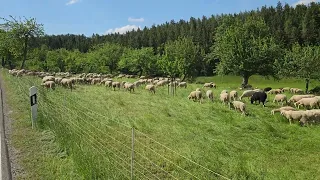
(267, 89)
(259, 96)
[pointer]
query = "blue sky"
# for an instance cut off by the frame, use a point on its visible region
(107, 16)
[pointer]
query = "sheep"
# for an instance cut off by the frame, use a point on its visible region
(224, 91)
(312, 102)
(286, 89)
(296, 98)
(275, 91)
(247, 93)
(286, 108)
(238, 105)
(151, 88)
(210, 85)
(108, 83)
(182, 84)
(115, 84)
(224, 97)
(57, 80)
(233, 95)
(137, 83)
(49, 84)
(129, 87)
(67, 83)
(310, 115)
(161, 83)
(48, 78)
(198, 89)
(259, 96)
(209, 95)
(292, 115)
(298, 91)
(280, 98)
(196, 95)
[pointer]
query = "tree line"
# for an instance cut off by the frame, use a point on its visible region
(271, 41)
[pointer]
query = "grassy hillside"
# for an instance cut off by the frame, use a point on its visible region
(94, 123)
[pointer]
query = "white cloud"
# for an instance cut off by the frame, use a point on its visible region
(122, 30)
(72, 2)
(305, 2)
(130, 19)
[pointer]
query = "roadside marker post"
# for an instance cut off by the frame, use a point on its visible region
(34, 104)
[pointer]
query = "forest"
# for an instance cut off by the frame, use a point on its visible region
(281, 41)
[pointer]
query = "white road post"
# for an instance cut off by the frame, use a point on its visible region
(34, 104)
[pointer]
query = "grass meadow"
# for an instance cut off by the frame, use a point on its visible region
(175, 138)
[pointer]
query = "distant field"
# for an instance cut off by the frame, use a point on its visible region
(93, 124)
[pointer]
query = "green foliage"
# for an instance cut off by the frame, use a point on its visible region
(19, 33)
(180, 57)
(303, 62)
(246, 48)
(142, 61)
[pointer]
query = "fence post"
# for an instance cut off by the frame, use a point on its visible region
(132, 153)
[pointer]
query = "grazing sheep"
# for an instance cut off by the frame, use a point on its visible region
(310, 115)
(238, 105)
(129, 87)
(48, 78)
(267, 89)
(275, 91)
(280, 98)
(115, 85)
(296, 98)
(209, 95)
(259, 96)
(210, 85)
(57, 80)
(108, 83)
(224, 91)
(298, 91)
(151, 88)
(286, 108)
(67, 83)
(198, 89)
(196, 95)
(233, 95)
(292, 115)
(182, 84)
(286, 89)
(247, 93)
(224, 97)
(49, 84)
(308, 102)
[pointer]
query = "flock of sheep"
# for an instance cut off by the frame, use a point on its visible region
(51, 80)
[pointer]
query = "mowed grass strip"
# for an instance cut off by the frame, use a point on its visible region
(95, 129)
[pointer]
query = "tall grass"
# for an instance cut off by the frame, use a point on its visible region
(94, 123)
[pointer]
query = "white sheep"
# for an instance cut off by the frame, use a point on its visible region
(210, 85)
(296, 98)
(209, 95)
(151, 88)
(310, 115)
(115, 84)
(238, 105)
(48, 78)
(280, 98)
(224, 97)
(292, 115)
(286, 108)
(182, 84)
(247, 93)
(196, 95)
(224, 91)
(49, 84)
(233, 95)
(308, 102)
(129, 86)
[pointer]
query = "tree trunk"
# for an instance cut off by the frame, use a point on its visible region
(25, 51)
(184, 77)
(307, 85)
(3, 62)
(245, 79)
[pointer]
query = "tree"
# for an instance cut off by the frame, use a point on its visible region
(109, 55)
(142, 61)
(180, 57)
(246, 48)
(302, 62)
(20, 32)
